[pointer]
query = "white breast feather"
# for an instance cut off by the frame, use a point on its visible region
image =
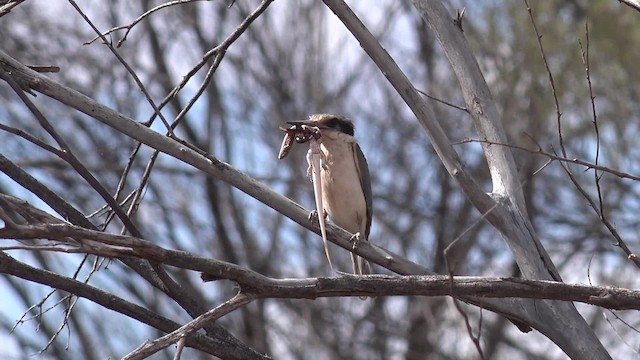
(342, 193)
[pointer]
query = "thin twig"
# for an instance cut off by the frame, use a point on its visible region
(64, 325)
(206, 343)
(474, 339)
(149, 348)
(555, 157)
(618, 335)
(30, 138)
(67, 154)
(442, 101)
(124, 63)
(130, 26)
(585, 61)
(598, 209)
(551, 81)
(218, 54)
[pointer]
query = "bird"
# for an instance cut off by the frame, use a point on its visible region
(345, 180)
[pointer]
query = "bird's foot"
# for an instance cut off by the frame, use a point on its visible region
(310, 172)
(355, 240)
(313, 215)
(342, 273)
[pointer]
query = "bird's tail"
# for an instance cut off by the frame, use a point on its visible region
(360, 265)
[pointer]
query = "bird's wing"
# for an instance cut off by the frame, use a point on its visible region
(365, 182)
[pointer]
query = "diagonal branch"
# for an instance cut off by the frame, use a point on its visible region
(524, 310)
(143, 268)
(9, 265)
(423, 111)
(559, 321)
(67, 155)
(186, 331)
(634, 4)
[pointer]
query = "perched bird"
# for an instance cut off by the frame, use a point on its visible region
(346, 186)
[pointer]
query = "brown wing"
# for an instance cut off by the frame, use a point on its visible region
(365, 182)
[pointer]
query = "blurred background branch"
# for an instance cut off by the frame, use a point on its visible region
(296, 59)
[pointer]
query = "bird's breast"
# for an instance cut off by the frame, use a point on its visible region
(342, 192)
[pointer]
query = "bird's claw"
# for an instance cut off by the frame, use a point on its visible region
(310, 172)
(342, 273)
(355, 240)
(313, 215)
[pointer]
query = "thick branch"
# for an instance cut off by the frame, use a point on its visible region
(155, 276)
(185, 332)
(634, 4)
(478, 98)
(422, 109)
(524, 310)
(558, 321)
(510, 218)
(259, 286)
(30, 79)
(375, 285)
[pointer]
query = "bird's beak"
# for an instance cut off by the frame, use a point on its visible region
(300, 122)
(303, 130)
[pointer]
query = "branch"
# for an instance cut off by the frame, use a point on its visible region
(7, 5)
(130, 26)
(511, 308)
(202, 161)
(423, 111)
(260, 286)
(221, 348)
(634, 4)
(559, 321)
(124, 63)
(552, 156)
(218, 54)
(597, 208)
(152, 274)
(67, 155)
(184, 332)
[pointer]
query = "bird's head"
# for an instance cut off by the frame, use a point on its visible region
(328, 123)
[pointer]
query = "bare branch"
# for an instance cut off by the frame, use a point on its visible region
(130, 26)
(588, 165)
(6, 6)
(218, 54)
(461, 108)
(149, 348)
(598, 208)
(205, 343)
(424, 285)
(67, 155)
(125, 64)
(551, 81)
(179, 349)
(374, 285)
(511, 217)
(634, 4)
